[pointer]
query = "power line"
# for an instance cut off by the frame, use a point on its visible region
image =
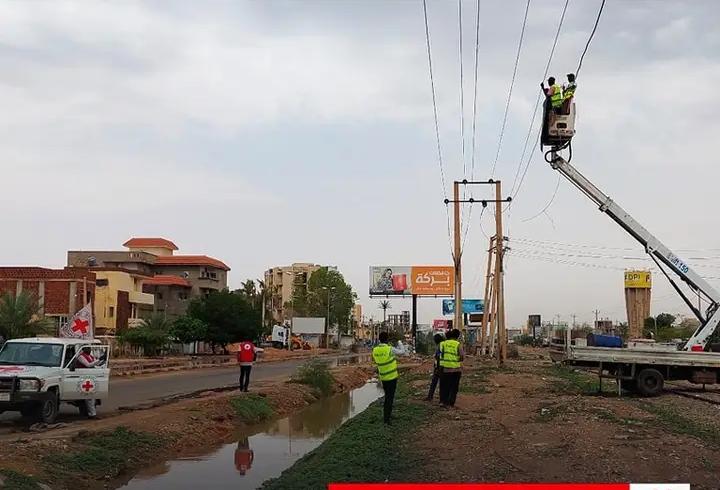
(592, 34)
(435, 114)
(547, 206)
(510, 91)
(474, 123)
(577, 72)
(537, 105)
(462, 90)
(554, 244)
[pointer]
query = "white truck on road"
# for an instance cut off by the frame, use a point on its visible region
(37, 374)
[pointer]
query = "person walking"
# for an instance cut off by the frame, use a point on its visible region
(451, 358)
(437, 370)
(246, 357)
(384, 357)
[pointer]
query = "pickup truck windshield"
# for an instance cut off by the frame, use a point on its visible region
(31, 354)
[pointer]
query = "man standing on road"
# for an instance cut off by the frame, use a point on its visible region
(246, 356)
(437, 370)
(87, 360)
(451, 358)
(384, 357)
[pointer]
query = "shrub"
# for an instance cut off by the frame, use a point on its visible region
(315, 373)
(251, 408)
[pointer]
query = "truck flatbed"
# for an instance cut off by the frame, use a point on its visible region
(578, 355)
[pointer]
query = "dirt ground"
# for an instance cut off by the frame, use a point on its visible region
(191, 425)
(531, 421)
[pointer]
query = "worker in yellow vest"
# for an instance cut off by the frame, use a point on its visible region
(451, 358)
(554, 94)
(384, 357)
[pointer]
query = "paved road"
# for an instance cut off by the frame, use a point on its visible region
(134, 391)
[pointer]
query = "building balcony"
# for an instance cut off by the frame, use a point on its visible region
(141, 298)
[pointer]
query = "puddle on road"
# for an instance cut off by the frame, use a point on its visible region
(263, 451)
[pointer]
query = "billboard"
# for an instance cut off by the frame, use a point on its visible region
(423, 280)
(638, 280)
(431, 280)
(468, 306)
(442, 324)
(308, 325)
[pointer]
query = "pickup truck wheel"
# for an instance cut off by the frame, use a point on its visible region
(650, 382)
(47, 411)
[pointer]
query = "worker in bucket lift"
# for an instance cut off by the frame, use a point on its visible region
(568, 93)
(553, 94)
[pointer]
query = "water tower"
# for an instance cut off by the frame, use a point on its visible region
(638, 284)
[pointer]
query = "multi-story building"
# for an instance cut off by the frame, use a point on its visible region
(60, 292)
(280, 283)
(152, 271)
(401, 320)
(120, 301)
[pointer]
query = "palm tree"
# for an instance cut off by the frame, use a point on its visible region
(20, 316)
(385, 306)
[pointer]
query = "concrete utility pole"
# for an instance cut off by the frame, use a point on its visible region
(597, 312)
(499, 272)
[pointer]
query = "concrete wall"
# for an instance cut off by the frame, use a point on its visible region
(139, 261)
(171, 301)
(195, 277)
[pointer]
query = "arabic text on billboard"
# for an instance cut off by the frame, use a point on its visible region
(469, 306)
(389, 279)
(432, 280)
(405, 280)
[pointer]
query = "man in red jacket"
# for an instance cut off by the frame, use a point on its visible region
(246, 356)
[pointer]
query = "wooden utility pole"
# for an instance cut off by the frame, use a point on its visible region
(486, 300)
(499, 286)
(457, 252)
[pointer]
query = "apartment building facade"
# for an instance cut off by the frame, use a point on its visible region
(280, 284)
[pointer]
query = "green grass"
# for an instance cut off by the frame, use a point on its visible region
(315, 373)
(363, 449)
(575, 382)
(674, 421)
(18, 481)
(251, 408)
(106, 454)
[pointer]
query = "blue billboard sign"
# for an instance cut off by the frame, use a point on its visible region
(469, 306)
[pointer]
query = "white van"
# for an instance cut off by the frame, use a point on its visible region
(36, 374)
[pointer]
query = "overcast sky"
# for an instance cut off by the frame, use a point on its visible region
(266, 133)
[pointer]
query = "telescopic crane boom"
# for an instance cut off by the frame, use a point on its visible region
(660, 254)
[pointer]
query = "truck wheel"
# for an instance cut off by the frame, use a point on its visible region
(650, 382)
(47, 411)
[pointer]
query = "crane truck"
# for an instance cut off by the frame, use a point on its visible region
(639, 369)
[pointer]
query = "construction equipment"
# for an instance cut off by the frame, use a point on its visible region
(657, 251)
(644, 369)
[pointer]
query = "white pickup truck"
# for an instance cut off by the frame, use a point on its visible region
(36, 374)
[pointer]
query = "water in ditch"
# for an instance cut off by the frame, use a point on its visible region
(263, 451)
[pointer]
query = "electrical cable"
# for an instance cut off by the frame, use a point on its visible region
(592, 34)
(552, 198)
(435, 114)
(537, 105)
(474, 123)
(510, 91)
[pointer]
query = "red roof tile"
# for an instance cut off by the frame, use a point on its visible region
(191, 260)
(166, 280)
(150, 242)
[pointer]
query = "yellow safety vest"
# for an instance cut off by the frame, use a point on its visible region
(569, 91)
(556, 99)
(386, 363)
(450, 354)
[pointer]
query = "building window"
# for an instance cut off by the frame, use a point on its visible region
(182, 295)
(111, 311)
(58, 320)
(101, 282)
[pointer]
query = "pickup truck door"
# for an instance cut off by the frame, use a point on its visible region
(80, 383)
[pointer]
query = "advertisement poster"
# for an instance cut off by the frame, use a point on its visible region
(469, 306)
(390, 280)
(423, 280)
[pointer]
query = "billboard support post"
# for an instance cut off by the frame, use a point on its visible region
(457, 259)
(414, 319)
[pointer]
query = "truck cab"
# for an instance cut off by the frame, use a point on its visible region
(37, 374)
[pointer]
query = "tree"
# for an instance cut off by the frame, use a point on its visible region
(187, 329)
(20, 316)
(385, 306)
(326, 291)
(230, 317)
(152, 334)
(656, 325)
